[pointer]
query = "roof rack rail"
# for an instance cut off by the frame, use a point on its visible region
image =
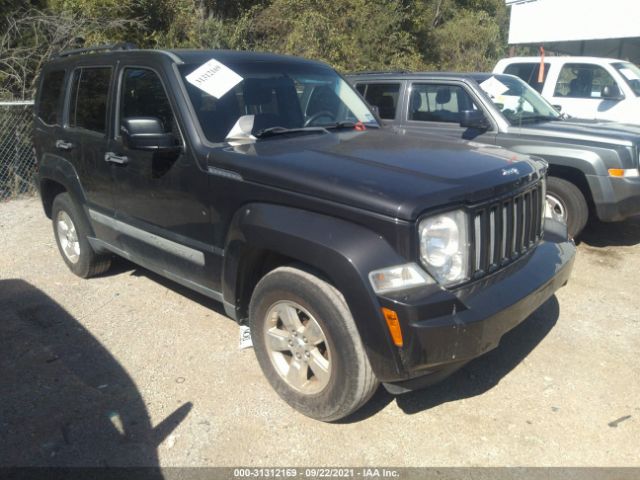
(98, 48)
(377, 72)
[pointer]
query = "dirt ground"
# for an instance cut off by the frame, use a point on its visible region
(131, 369)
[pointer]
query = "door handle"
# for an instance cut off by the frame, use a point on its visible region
(62, 145)
(117, 159)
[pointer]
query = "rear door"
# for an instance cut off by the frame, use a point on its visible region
(85, 135)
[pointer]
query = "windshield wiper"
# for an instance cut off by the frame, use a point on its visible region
(538, 118)
(272, 131)
(347, 124)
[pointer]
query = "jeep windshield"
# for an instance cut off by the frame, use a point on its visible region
(277, 98)
(518, 102)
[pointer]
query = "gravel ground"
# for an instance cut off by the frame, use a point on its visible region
(131, 369)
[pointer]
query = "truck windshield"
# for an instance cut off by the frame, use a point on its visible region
(285, 97)
(518, 102)
(631, 75)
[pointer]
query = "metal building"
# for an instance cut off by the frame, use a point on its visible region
(578, 27)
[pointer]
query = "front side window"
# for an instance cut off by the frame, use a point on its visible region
(143, 95)
(50, 95)
(382, 95)
(529, 72)
(631, 75)
(278, 95)
(517, 101)
(582, 80)
(439, 103)
(88, 100)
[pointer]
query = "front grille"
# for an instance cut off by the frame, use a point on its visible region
(504, 230)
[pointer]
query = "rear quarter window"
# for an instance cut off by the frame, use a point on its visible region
(529, 72)
(51, 92)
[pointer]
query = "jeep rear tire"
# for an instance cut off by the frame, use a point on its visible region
(567, 203)
(308, 346)
(71, 229)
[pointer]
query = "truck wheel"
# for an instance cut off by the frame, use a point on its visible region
(308, 346)
(566, 202)
(71, 230)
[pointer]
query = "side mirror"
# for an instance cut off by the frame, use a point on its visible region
(474, 119)
(611, 92)
(558, 108)
(147, 133)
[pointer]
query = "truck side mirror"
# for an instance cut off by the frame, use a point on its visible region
(474, 119)
(147, 133)
(558, 108)
(611, 92)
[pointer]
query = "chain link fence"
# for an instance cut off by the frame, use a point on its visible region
(17, 161)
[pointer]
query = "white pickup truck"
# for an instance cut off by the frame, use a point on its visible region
(583, 87)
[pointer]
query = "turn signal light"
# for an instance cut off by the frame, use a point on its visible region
(621, 172)
(393, 324)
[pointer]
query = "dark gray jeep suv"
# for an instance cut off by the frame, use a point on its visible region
(593, 165)
(356, 254)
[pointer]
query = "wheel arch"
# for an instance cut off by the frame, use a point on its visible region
(575, 176)
(57, 175)
(263, 237)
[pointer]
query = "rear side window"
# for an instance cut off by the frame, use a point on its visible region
(529, 72)
(438, 103)
(88, 100)
(144, 96)
(382, 95)
(582, 80)
(50, 95)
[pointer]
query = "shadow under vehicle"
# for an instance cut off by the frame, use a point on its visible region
(65, 401)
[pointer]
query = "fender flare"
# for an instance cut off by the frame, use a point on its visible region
(588, 162)
(342, 251)
(62, 171)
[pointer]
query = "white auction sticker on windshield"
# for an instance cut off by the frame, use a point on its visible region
(214, 78)
(494, 87)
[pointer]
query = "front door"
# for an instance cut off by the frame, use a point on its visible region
(436, 108)
(578, 90)
(161, 197)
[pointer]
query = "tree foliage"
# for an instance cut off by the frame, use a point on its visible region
(351, 35)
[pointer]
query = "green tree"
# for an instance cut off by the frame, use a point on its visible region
(350, 35)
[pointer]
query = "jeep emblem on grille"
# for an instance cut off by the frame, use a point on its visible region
(510, 171)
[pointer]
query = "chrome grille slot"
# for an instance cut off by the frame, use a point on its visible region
(503, 231)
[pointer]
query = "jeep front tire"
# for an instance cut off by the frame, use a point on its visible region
(307, 345)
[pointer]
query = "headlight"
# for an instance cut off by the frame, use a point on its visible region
(444, 247)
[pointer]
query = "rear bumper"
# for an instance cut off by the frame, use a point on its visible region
(443, 332)
(615, 198)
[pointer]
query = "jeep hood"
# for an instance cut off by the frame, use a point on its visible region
(379, 169)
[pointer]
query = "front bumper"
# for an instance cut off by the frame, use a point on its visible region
(445, 329)
(615, 198)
